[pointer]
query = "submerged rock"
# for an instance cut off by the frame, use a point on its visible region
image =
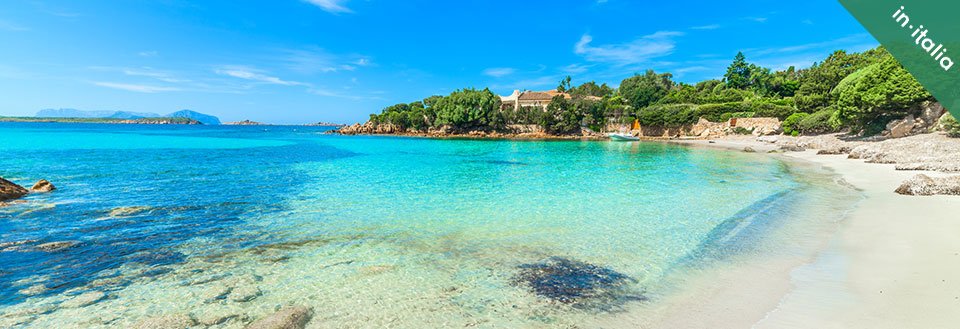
(749, 149)
(171, 321)
(10, 191)
(244, 293)
(128, 211)
(42, 186)
(579, 284)
(56, 245)
(925, 185)
(84, 299)
(289, 317)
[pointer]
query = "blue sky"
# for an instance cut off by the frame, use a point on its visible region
(300, 61)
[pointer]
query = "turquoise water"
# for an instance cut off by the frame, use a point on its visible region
(368, 231)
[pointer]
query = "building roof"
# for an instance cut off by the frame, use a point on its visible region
(541, 95)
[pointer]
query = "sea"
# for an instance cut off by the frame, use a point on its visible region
(224, 225)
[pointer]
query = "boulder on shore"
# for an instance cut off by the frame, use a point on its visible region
(289, 317)
(42, 186)
(925, 185)
(10, 191)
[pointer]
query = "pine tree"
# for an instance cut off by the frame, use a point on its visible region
(738, 73)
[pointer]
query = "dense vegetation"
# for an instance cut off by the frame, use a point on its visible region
(859, 92)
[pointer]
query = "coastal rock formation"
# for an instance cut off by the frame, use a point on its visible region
(578, 284)
(901, 128)
(42, 186)
(925, 185)
(289, 317)
(10, 191)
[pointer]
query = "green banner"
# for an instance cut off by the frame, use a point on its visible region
(924, 36)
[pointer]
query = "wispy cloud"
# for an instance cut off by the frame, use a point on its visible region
(135, 87)
(11, 26)
(807, 21)
(248, 73)
(575, 68)
(315, 60)
(332, 6)
(633, 52)
(859, 38)
(498, 72)
(757, 19)
(706, 27)
(148, 53)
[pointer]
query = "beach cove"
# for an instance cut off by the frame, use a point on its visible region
(461, 232)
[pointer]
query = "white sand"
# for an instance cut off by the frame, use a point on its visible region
(894, 263)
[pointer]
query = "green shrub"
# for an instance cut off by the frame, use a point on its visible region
(742, 131)
(873, 96)
(714, 112)
(791, 125)
(818, 122)
(950, 125)
(668, 115)
(726, 116)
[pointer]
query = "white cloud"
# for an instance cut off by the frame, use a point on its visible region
(11, 26)
(149, 53)
(332, 6)
(151, 73)
(706, 27)
(633, 52)
(246, 73)
(498, 72)
(575, 68)
(315, 60)
(757, 19)
(135, 87)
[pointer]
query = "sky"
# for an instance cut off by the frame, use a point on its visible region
(303, 61)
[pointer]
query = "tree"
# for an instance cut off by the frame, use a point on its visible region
(564, 85)
(468, 109)
(873, 96)
(738, 73)
(642, 90)
(591, 89)
(817, 82)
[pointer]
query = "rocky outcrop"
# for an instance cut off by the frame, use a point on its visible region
(901, 128)
(10, 190)
(925, 185)
(289, 317)
(42, 186)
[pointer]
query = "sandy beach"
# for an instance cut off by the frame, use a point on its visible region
(893, 262)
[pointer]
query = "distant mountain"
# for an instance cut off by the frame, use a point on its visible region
(203, 118)
(127, 115)
(132, 115)
(74, 113)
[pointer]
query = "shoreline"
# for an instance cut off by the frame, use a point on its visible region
(891, 263)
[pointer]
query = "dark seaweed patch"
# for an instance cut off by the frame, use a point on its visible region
(579, 284)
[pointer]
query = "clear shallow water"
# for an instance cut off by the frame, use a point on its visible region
(368, 231)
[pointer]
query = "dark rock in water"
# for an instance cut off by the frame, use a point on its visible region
(56, 245)
(10, 191)
(42, 186)
(749, 149)
(579, 284)
(290, 317)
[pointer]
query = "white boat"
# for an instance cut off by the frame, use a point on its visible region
(622, 137)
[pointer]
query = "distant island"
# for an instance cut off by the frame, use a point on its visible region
(119, 117)
(245, 123)
(154, 121)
